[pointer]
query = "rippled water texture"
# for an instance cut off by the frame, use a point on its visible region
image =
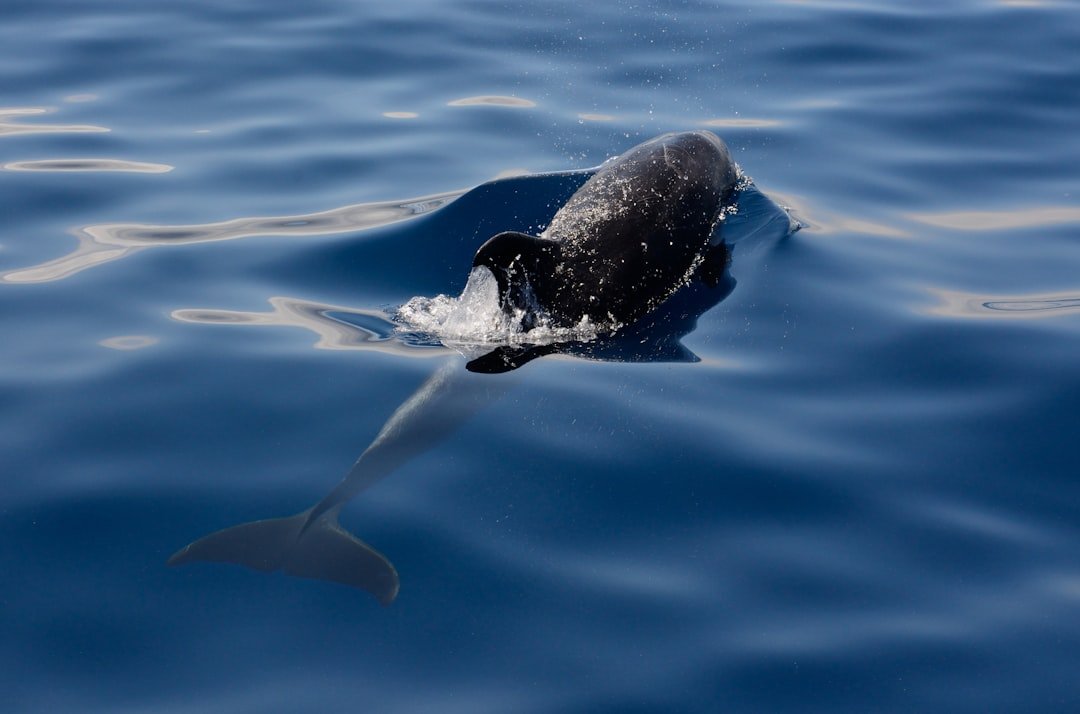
(843, 480)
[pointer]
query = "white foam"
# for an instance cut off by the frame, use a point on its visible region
(476, 317)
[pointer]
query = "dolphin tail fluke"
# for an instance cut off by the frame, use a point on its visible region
(320, 549)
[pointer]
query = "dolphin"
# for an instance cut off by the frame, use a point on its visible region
(631, 236)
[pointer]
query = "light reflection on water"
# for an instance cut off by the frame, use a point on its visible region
(742, 123)
(491, 101)
(1034, 217)
(817, 219)
(10, 128)
(79, 165)
(128, 342)
(954, 303)
(823, 220)
(337, 326)
(111, 241)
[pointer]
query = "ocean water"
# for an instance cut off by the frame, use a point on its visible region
(846, 480)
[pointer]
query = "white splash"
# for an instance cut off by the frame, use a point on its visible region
(477, 318)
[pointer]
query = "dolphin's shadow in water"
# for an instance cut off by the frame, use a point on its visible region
(311, 543)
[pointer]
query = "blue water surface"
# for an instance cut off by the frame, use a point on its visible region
(863, 496)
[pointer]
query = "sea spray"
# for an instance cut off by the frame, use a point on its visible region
(477, 318)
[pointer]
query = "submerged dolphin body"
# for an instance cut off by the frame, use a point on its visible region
(312, 544)
(628, 239)
(625, 241)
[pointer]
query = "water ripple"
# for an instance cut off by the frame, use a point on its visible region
(1035, 217)
(491, 101)
(10, 128)
(76, 165)
(954, 303)
(981, 521)
(111, 241)
(742, 123)
(818, 219)
(338, 327)
(128, 342)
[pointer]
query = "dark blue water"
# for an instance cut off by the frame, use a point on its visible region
(863, 496)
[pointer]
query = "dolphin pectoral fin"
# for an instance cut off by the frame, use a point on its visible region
(507, 358)
(321, 550)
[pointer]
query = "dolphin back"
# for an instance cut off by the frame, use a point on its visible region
(625, 241)
(319, 549)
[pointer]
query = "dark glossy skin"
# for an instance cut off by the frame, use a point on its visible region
(631, 236)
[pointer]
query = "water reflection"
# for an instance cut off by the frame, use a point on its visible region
(817, 103)
(953, 303)
(76, 165)
(111, 241)
(9, 127)
(1034, 217)
(128, 342)
(822, 220)
(338, 327)
(491, 101)
(817, 219)
(741, 123)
